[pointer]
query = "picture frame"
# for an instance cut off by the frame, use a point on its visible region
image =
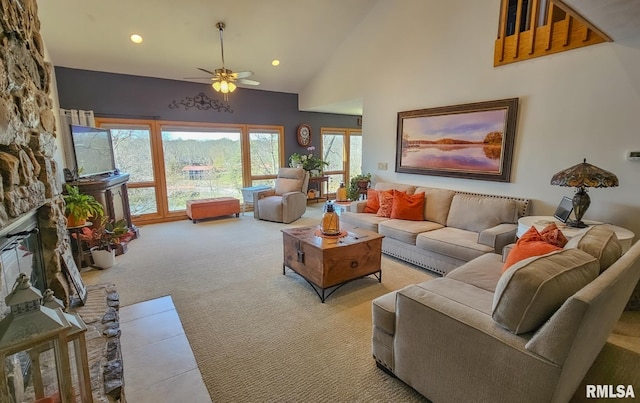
(74, 275)
(471, 141)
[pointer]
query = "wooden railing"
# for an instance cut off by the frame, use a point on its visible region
(534, 28)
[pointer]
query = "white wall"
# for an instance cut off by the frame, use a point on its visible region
(583, 103)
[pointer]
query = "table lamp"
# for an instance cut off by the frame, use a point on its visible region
(582, 176)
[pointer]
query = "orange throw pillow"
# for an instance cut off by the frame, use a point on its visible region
(385, 198)
(373, 204)
(408, 207)
(530, 244)
(552, 234)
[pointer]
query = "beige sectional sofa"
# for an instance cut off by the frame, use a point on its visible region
(528, 335)
(457, 228)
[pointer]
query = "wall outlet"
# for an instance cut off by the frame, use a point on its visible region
(383, 166)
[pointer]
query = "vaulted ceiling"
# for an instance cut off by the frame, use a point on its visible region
(180, 36)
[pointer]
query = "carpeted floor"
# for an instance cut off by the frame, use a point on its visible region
(258, 335)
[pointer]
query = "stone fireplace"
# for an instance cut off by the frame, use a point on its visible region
(29, 184)
(33, 227)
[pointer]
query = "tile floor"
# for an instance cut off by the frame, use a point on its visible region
(158, 362)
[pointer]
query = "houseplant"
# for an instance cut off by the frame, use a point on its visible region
(80, 206)
(357, 183)
(102, 240)
(308, 162)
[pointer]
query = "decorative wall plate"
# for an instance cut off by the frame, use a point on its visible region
(304, 135)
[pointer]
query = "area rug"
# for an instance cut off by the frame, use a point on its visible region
(259, 335)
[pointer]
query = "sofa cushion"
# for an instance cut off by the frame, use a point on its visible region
(530, 244)
(530, 291)
(437, 203)
(600, 242)
(286, 185)
(483, 272)
(477, 213)
(373, 204)
(453, 242)
(404, 230)
(408, 189)
(408, 207)
(365, 221)
(385, 197)
(459, 292)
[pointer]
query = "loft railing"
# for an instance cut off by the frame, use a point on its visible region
(534, 28)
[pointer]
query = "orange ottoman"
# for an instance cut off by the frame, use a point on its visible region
(214, 207)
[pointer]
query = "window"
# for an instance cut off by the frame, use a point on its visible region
(171, 163)
(132, 147)
(342, 149)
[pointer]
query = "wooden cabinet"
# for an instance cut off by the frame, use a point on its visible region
(111, 192)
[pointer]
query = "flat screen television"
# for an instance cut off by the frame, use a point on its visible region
(93, 151)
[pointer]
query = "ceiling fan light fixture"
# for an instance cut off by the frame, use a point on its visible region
(223, 79)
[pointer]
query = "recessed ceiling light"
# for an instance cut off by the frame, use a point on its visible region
(275, 62)
(135, 38)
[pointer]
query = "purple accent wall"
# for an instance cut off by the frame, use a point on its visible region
(127, 96)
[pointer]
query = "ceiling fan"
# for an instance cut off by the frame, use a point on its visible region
(223, 79)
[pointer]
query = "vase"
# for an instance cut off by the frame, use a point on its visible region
(72, 221)
(314, 172)
(103, 259)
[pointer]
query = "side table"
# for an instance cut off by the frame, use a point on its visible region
(318, 181)
(247, 195)
(624, 235)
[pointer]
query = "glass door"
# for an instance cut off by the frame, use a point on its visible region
(342, 149)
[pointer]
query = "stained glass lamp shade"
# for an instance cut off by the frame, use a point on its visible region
(582, 176)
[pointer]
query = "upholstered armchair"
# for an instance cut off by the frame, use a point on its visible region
(287, 201)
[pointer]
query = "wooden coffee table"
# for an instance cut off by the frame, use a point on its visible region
(331, 262)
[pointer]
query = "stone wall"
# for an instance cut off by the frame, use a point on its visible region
(28, 172)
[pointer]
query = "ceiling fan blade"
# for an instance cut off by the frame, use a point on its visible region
(242, 74)
(198, 78)
(247, 82)
(206, 71)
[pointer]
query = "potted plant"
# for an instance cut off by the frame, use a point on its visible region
(356, 184)
(80, 206)
(103, 239)
(308, 162)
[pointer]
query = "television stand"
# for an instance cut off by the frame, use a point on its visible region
(111, 192)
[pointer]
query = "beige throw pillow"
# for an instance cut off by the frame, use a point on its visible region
(530, 291)
(600, 242)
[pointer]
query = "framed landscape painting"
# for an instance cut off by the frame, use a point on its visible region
(473, 141)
